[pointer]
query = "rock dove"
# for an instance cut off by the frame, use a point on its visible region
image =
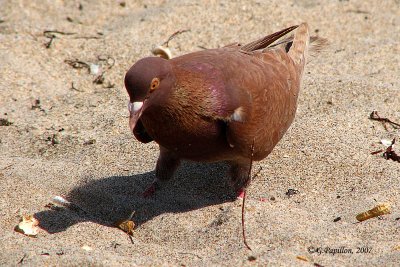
(229, 104)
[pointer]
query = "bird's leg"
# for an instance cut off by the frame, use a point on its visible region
(167, 164)
(240, 178)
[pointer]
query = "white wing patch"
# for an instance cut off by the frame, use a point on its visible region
(238, 115)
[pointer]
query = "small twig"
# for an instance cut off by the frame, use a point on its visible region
(108, 59)
(376, 152)
(374, 116)
(243, 226)
(50, 34)
(22, 259)
(88, 37)
(77, 64)
(390, 153)
(6, 167)
(45, 33)
(115, 244)
(244, 197)
(74, 88)
(173, 36)
(48, 44)
(132, 214)
(257, 172)
(99, 79)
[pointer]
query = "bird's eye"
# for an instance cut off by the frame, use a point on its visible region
(154, 84)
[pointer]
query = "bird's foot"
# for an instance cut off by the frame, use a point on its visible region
(240, 194)
(156, 185)
(151, 190)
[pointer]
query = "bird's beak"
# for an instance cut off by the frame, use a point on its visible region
(135, 123)
(135, 110)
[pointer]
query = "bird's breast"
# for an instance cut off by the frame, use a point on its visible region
(189, 136)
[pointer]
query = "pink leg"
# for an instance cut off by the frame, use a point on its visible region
(167, 164)
(240, 194)
(239, 177)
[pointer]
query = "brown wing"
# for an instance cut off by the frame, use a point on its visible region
(250, 93)
(267, 40)
(273, 81)
(254, 93)
(262, 43)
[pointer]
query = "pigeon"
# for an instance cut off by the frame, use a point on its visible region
(230, 104)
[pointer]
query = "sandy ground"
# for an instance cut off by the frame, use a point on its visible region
(76, 142)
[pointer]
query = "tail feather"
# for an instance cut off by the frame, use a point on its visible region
(318, 44)
(299, 49)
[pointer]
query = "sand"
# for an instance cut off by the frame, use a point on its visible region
(76, 142)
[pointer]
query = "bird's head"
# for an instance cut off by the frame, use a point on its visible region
(148, 83)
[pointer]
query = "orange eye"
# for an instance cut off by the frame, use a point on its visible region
(154, 84)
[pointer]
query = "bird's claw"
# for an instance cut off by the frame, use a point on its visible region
(150, 191)
(240, 194)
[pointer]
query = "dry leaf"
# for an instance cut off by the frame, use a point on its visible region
(28, 226)
(125, 225)
(302, 258)
(379, 210)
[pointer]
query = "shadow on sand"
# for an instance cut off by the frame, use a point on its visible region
(107, 200)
